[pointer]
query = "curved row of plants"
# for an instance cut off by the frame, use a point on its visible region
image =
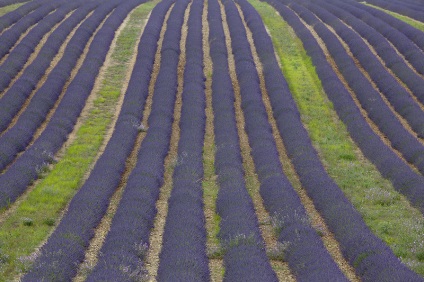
(410, 47)
(377, 110)
(30, 221)
(356, 253)
(305, 252)
(65, 248)
(17, 136)
(183, 255)
(389, 164)
(386, 212)
(18, 56)
(240, 237)
(27, 167)
(414, 10)
(10, 36)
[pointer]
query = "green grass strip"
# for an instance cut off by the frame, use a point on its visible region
(417, 24)
(36, 216)
(6, 9)
(386, 212)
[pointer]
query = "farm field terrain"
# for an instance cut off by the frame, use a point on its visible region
(215, 140)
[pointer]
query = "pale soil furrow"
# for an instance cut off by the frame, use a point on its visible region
(12, 208)
(18, 41)
(72, 136)
(381, 61)
(421, 104)
(92, 253)
(156, 235)
(374, 127)
(43, 79)
(372, 49)
(85, 111)
(32, 58)
(317, 221)
(396, 15)
(22, 36)
(209, 182)
(252, 182)
(374, 85)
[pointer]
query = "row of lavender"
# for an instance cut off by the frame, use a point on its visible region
(27, 166)
(124, 250)
(65, 249)
(390, 165)
(244, 252)
(15, 139)
(376, 15)
(20, 53)
(307, 257)
(21, 24)
(125, 246)
(413, 9)
(10, 2)
(372, 259)
(183, 256)
(378, 111)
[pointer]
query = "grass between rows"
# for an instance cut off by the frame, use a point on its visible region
(387, 213)
(6, 9)
(417, 24)
(26, 228)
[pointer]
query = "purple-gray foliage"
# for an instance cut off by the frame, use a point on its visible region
(372, 259)
(10, 2)
(389, 164)
(17, 138)
(19, 55)
(243, 247)
(134, 218)
(183, 256)
(412, 53)
(65, 248)
(26, 168)
(395, 93)
(13, 16)
(9, 37)
(378, 111)
(379, 39)
(415, 35)
(303, 246)
(416, 11)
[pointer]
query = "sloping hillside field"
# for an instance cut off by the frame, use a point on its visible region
(211, 140)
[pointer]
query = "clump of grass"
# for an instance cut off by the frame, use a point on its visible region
(27, 221)
(382, 197)
(277, 252)
(25, 262)
(215, 252)
(49, 221)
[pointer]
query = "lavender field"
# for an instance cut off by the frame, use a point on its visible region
(216, 140)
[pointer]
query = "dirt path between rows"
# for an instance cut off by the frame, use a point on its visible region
(316, 220)
(252, 182)
(333, 64)
(100, 233)
(156, 234)
(209, 184)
